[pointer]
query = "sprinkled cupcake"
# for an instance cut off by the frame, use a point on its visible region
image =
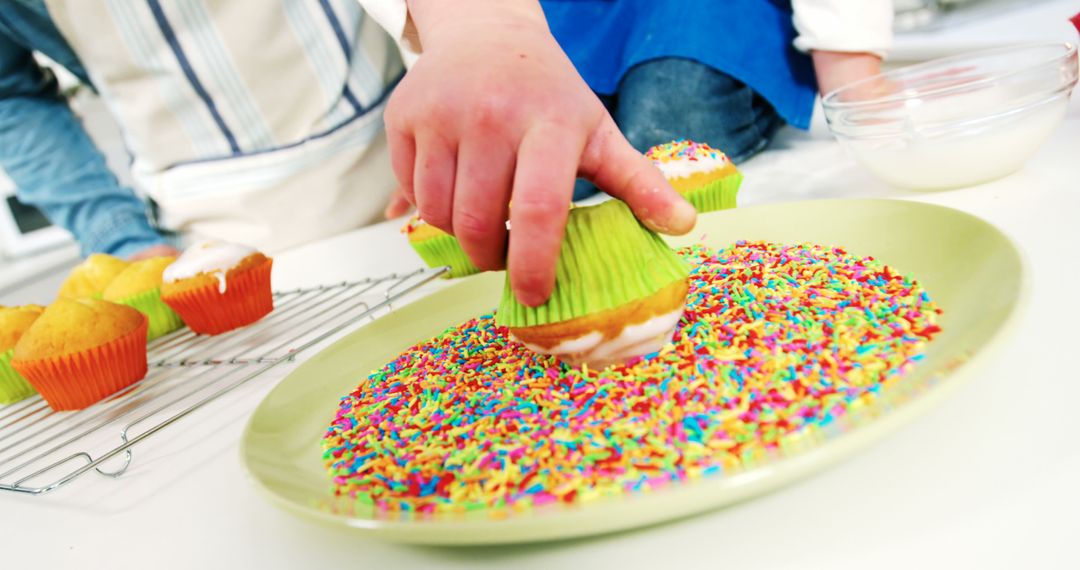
(702, 174)
(216, 287)
(438, 248)
(619, 291)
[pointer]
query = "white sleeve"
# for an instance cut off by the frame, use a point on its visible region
(393, 16)
(844, 25)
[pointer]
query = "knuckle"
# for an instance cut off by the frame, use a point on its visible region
(470, 226)
(538, 206)
(492, 111)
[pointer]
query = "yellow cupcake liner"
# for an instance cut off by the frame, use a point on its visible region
(163, 320)
(13, 387)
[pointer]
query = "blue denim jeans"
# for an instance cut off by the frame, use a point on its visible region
(673, 98)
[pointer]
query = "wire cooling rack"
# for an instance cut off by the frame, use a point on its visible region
(42, 450)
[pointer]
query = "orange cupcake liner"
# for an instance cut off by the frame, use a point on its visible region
(77, 380)
(247, 298)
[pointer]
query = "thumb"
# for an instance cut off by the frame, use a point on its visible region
(618, 169)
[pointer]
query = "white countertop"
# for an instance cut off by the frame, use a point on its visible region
(988, 479)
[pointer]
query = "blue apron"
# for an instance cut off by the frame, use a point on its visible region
(747, 39)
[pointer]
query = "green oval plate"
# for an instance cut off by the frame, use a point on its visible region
(970, 268)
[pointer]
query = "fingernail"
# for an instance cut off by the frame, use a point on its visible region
(683, 216)
(529, 298)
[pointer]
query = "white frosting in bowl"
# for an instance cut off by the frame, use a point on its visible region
(211, 257)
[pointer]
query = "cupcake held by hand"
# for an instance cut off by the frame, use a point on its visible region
(705, 176)
(216, 287)
(82, 350)
(139, 287)
(14, 322)
(619, 292)
(438, 248)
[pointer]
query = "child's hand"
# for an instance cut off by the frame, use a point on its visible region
(835, 69)
(155, 251)
(493, 111)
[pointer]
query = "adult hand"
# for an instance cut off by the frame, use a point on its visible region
(155, 251)
(399, 205)
(494, 111)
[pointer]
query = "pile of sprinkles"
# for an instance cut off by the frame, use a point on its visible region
(681, 150)
(777, 341)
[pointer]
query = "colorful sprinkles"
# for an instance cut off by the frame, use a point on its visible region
(684, 150)
(777, 342)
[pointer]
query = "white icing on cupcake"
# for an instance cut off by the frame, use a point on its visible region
(211, 257)
(680, 159)
(635, 340)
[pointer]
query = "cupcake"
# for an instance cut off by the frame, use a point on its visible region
(139, 287)
(216, 287)
(702, 174)
(619, 292)
(90, 277)
(81, 350)
(438, 248)
(13, 324)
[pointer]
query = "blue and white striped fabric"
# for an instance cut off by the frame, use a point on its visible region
(233, 79)
(226, 103)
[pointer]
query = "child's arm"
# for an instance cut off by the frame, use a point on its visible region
(493, 110)
(846, 38)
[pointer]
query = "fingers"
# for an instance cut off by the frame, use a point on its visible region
(617, 168)
(155, 251)
(543, 186)
(433, 180)
(485, 173)
(402, 159)
(398, 206)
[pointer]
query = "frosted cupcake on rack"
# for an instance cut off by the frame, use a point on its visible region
(216, 286)
(705, 176)
(619, 292)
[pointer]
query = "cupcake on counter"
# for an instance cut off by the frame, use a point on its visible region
(78, 351)
(216, 287)
(139, 287)
(92, 276)
(619, 292)
(14, 321)
(705, 176)
(438, 248)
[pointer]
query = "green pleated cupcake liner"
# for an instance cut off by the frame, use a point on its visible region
(13, 387)
(607, 259)
(163, 320)
(445, 250)
(720, 194)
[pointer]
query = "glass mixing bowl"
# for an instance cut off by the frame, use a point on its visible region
(955, 121)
